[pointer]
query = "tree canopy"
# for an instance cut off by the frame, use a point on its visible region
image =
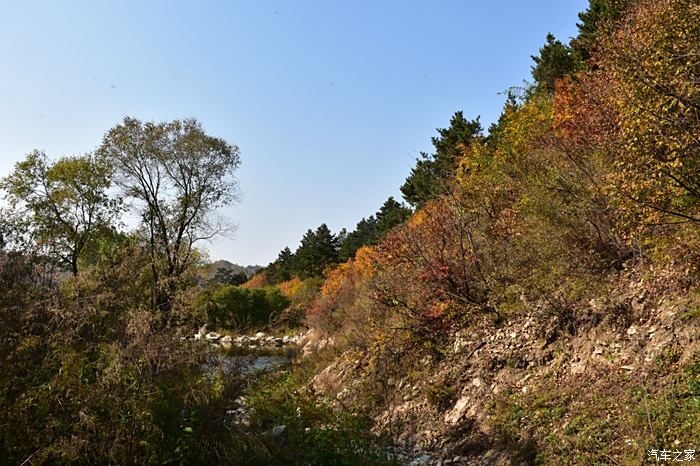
(317, 250)
(430, 177)
(175, 175)
(554, 61)
(59, 207)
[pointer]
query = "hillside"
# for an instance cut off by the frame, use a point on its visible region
(535, 300)
(249, 270)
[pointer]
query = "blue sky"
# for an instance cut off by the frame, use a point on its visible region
(330, 102)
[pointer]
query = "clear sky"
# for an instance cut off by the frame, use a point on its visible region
(330, 101)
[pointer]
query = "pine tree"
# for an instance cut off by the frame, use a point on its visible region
(318, 249)
(555, 61)
(431, 175)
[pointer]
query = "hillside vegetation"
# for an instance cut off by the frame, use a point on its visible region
(538, 302)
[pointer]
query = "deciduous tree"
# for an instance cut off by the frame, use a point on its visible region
(176, 176)
(59, 207)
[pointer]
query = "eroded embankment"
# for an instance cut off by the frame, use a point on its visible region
(620, 378)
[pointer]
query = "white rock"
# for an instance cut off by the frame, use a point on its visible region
(454, 415)
(212, 336)
(226, 339)
(200, 334)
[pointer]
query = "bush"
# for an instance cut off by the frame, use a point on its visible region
(238, 307)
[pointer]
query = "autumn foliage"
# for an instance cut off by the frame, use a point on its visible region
(569, 185)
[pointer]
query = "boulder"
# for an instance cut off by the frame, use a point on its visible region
(226, 339)
(280, 434)
(200, 334)
(455, 414)
(212, 336)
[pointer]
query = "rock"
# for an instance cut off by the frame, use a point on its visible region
(632, 330)
(226, 339)
(259, 335)
(421, 460)
(280, 434)
(212, 336)
(459, 343)
(453, 416)
(202, 331)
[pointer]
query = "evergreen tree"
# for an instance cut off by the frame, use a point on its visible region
(599, 12)
(371, 230)
(391, 214)
(281, 269)
(318, 249)
(555, 61)
(365, 233)
(431, 175)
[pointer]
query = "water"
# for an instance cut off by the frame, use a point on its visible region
(243, 364)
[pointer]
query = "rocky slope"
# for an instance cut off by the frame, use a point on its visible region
(618, 379)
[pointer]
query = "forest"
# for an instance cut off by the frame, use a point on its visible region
(534, 299)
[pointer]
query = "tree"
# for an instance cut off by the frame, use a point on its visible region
(60, 207)
(176, 176)
(430, 177)
(653, 58)
(370, 231)
(226, 276)
(365, 232)
(598, 15)
(281, 269)
(390, 215)
(317, 250)
(553, 63)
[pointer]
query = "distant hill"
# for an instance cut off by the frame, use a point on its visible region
(235, 268)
